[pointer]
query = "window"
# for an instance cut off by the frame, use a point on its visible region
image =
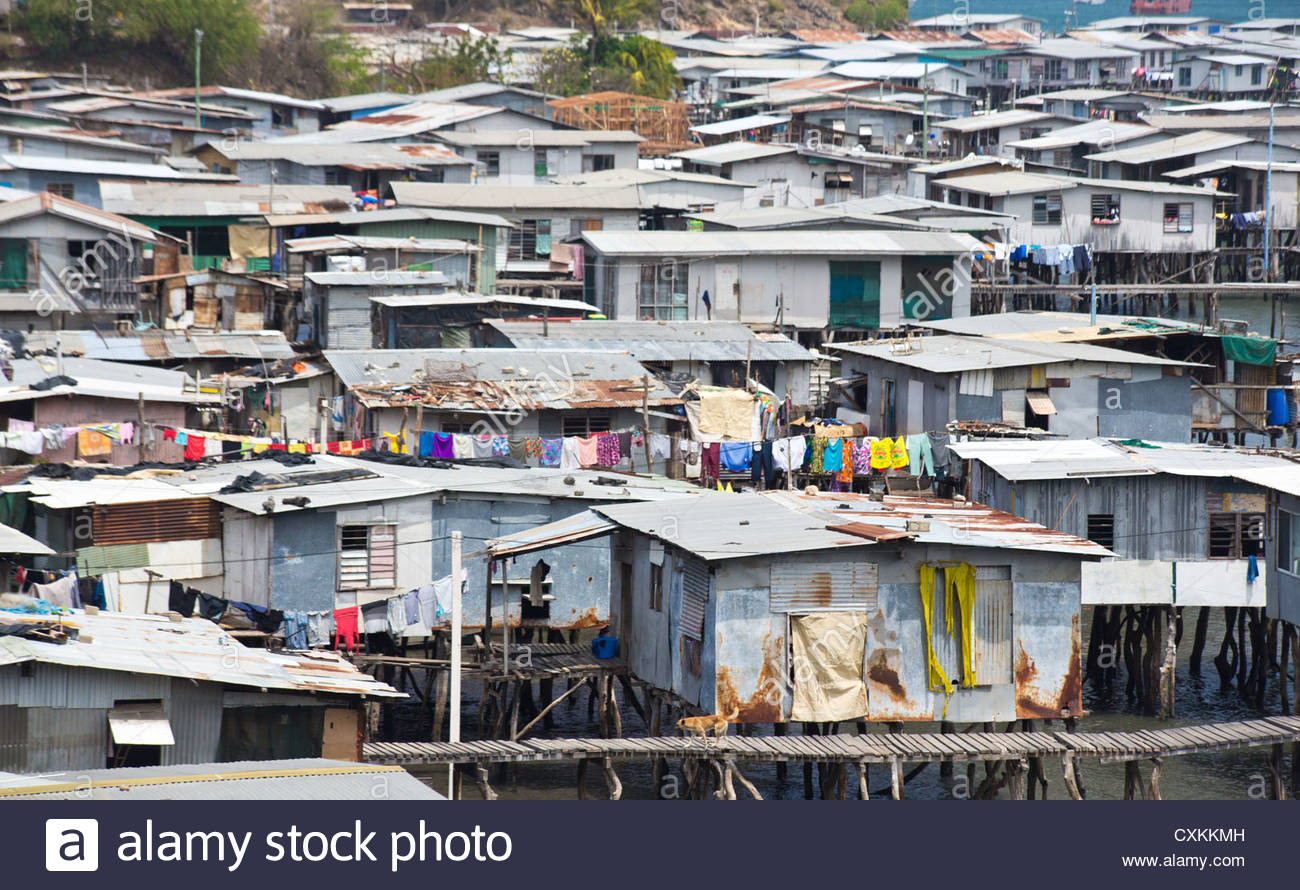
(62, 189)
(1288, 542)
(529, 240)
(1054, 69)
(1047, 210)
(1256, 75)
(602, 162)
(584, 424)
(577, 226)
(1236, 535)
(656, 587)
(661, 295)
(281, 116)
(337, 176)
(1185, 76)
(541, 168)
(1081, 71)
(1063, 158)
(489, 163)
(1101, 529)
(1000, 69)
(367, 556)
(1240, 70)
(1178, 217)
(13, 263)
(1105, 209)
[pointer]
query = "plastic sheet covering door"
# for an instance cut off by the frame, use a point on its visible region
(827, 666)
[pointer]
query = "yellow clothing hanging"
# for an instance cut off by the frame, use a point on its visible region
(898, 454)
(936, 677)
(959, 581)
(882, 453)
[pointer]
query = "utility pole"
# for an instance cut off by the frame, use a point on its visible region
(453, 733)
(1268, 223)
(925, 112)
(198, 62)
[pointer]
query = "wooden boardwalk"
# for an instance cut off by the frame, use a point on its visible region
(907, 747)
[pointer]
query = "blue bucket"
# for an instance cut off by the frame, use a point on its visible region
(605, 647)
(1279, 412)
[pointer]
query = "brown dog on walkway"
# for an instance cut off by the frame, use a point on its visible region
(713, 723)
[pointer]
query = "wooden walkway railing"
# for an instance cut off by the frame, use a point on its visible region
(1014, 748)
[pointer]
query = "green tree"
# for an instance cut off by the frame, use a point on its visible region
(877, 15)
(635, 64)
(598, 17)
(463, 60)
(305, 54)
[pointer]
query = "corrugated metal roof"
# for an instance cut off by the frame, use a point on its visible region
(47, 202)
(495, 380)
(950, 354)
(1011, 118)
(540, 304)
(716, 526)
(739, 124)
(1029, 324)
(514, 197)
(653, 341)
(607, 178)
(101, 379)
(188, 648)
(1008, 182)
(12, 541)
(1177, 147)
(357, 156)
(247, 780)
(126, 169)
(1021, 460)
(193, 199)
(160, 345)
(1100, 132)
(687, 244)
(395, 123)
(542, 138)
(732, 152)
(318, 243)
(391, 214)
(377, 280)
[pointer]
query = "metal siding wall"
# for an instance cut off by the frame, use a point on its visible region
(13, 735)
(1159, 409)
(88, 688)
(80, 737)
(993, 614)
(195, 716)
(246, 553)
(303, 563)
(801, 586)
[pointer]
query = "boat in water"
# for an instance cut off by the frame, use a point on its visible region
(1160, 7)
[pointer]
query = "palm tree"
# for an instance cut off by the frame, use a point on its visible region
(598, 16)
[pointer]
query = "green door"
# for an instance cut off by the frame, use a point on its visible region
(855, 295)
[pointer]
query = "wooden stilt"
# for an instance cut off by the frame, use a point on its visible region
(1277, 785)
(864, 780)
(744, 783)
(1068, 776)
(481, 773)
(1132, 780)
(896, 778)
(582, 779)
(1153, 792)
(1019, 768)
(779, 730)
(1198, 642)
(611, 779)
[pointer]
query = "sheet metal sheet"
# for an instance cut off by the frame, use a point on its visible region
(140, 724)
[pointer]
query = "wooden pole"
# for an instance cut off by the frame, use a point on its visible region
(505, 616)
(1153, 792)
(896, 778)
(139, 427)
(516, 736)
(454, 734)
(645, 423)
(1069, 776)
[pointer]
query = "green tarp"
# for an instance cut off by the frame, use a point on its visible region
(1251, 350)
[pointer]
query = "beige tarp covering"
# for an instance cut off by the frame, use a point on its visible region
(723, 414)
(247, 241)
(828, 650)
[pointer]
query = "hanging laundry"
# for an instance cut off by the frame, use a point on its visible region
(609, 450)
(736, 456)
(570, 453)
(61, 592)
(710, 461)
(31, 442)
(396, 616)
(818, 461)
(586, 448)
(833, 456)
(920, 458)
(552, 453)
(295, 631)
(425, 448)
(788, 453)
(533, 447)
(482, 447)
(411, 606)
(517, 449)
(374, 617)
(212, 607)
(500, 446)
(845, 475)
(443, 446)
(862, 457)
(345, 625)
(194, 448)
(319, 627)
(462, 446)
(660, 446)
(898, 454)
(179, 600)
(882, 453)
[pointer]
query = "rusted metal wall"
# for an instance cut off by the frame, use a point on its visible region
(73, 410)
(246, 553)
(172, 520)
(1027, 655)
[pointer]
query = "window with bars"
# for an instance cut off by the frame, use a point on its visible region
(1101, 529)
(367, 556)
(656, 587)
(1047, 210)
(1178, 217)
(62, 189)
(1054, 69)
(602, 162)
(584, 424)
(1288, 542)
(541, 166)
(529, 240)
(1236, 535)
(489, 163)
(661, 294)
(1105, 208)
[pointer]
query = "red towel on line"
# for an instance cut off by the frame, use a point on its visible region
(345, 628)
(194, 448)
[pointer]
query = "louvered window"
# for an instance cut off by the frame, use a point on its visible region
(367, 556)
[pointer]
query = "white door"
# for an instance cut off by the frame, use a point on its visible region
(726, 291)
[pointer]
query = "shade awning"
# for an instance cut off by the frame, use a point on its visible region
(1040, 403)
(140, 724)
(570, 530)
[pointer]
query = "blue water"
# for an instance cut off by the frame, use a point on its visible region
(1053, 12)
